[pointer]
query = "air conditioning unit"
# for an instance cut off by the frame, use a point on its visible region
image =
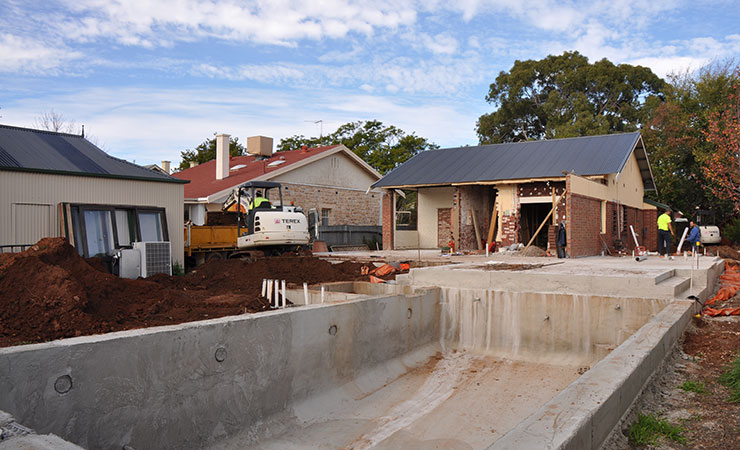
(129, 263)
(156, 257)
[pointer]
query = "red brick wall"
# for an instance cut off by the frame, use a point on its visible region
(348, 207)
(510, 229)
(650, 220)
(444, 226)
(388, 221)
(583, 225)
(478, 200)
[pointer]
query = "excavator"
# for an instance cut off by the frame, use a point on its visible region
(264, 226)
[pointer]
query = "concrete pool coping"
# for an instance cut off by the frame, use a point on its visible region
(585, 412)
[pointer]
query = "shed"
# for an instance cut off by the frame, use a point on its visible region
(58, 184)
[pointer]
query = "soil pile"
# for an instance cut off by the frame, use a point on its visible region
(49, 292)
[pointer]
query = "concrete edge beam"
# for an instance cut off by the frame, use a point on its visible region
(584, 413)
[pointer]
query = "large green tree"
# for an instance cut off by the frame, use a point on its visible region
(680, 150)
(566, 96)
(384, 147)
(206, 151)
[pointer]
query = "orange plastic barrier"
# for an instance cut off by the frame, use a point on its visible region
(729, 286)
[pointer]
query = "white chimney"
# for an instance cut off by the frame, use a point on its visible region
(222, 156)
(166, 167)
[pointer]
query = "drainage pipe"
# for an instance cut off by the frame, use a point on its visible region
(269, 292)
(322, 294)
(640, 258)
(285, 299)
(305, 294)
(277, 293)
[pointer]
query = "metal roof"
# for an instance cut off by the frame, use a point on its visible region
(25, 149)
(588, 155)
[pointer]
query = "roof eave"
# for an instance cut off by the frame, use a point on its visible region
(93, 175)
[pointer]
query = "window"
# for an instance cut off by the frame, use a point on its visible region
(150, 224)
(406, 211)
(125, 227)
(97, 230)
(325, 216)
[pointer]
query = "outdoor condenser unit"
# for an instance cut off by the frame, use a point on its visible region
(156, 257)
(129, 263)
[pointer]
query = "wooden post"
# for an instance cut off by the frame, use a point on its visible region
(492, 226)
(477, 233)
(554, 205)
(543, 223)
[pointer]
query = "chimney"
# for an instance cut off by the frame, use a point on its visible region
(222, 156)
(166, 167)
(193, 164)
(259, 146)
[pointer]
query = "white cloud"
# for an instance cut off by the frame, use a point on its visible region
(22, 55)
(142, 22)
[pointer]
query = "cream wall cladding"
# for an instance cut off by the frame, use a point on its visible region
(27, 188)
(334, 170)
(430, 200)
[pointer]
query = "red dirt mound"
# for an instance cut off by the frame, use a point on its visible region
(49, 292)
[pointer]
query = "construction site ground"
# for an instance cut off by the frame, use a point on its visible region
(48, 292)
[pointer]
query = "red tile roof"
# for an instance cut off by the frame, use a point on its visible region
(203, 180)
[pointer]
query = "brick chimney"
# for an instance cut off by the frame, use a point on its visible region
(166, 167)
(222, 156)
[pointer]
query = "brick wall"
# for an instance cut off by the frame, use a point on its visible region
(388, 221)
(348, 207)
(510, 229)
(478, 200)
(650, 220)
(444, 226)
(583, 225)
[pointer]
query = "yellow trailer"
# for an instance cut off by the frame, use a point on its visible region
(208, 242)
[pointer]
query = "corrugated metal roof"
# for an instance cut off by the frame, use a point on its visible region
(588, 155)
(46, 151)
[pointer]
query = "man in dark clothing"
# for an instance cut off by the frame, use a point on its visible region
(561, 241)
(694, 237)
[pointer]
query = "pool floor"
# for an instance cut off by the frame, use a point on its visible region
(457, 400)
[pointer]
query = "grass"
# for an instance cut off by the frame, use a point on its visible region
(648, 428)
(694, 386)
(731, 379)
(177, 270)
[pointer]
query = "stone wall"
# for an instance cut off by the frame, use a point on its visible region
(346, 206)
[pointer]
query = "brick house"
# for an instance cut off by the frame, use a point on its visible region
(329, 183)
(598, 183)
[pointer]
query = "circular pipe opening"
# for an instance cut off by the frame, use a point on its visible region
(333, 330)
(409, 313)
(63, 384)
(220, 354)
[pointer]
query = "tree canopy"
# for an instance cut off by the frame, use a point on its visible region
(566, 96)
(689, 141)
(382, 147)
(206, 151)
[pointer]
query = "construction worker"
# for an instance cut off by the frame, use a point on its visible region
(259, 201)
(665, 230)
(694, 237)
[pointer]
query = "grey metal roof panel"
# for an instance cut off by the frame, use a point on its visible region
(46, 151)
(588, 155)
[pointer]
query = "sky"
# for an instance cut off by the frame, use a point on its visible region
(149, 79)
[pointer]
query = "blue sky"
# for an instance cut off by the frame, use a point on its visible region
(151, 78)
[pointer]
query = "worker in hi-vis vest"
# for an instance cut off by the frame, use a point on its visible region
(259, 201)
(665, 230)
